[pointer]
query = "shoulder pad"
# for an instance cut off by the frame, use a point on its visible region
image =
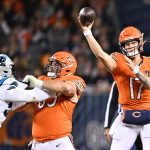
(3, 80)
(116, 56)
(6, 80)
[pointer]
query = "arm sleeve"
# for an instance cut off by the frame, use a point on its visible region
(23, 95)
(112, 106)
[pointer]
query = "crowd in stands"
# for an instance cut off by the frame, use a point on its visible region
(32, 30)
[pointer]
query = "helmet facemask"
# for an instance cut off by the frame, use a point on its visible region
(136, 49)
(53, 69)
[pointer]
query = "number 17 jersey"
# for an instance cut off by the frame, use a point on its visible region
(133, 95)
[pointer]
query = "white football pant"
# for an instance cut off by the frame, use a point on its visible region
(125, 135)
(59, 144)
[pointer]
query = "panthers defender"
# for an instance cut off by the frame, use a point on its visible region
(130, 71)
(52, 120)
(13, 94)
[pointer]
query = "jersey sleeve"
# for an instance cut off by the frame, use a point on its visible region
(16, 91)
(23, 95)
(120, 61)
(113, 55)
(13, 83)
(80, 85)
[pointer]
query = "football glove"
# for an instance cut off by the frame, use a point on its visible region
(33, 82)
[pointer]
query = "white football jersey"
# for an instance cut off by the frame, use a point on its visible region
(5, 107)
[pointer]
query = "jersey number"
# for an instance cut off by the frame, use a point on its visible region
(41, 104)
(132, 80)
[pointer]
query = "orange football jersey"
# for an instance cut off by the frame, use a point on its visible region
(133, 95)
(53, 117)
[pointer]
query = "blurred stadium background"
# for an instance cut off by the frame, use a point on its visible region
(32, 30)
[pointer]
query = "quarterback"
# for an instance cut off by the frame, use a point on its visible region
(130, 71)
(52, 120)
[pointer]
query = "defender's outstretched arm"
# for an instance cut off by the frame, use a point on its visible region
(22, 95)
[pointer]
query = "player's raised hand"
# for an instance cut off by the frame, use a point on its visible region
(33, 82)
(85, 28)
(86, 18)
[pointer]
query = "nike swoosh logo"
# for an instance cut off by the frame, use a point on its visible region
(58, 145)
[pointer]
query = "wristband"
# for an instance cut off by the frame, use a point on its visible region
(87, 32)
(136, 69)
(39, 84)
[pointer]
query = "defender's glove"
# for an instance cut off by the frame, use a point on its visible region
(33, 82)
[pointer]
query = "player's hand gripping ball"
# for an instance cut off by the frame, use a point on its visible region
(87, 15)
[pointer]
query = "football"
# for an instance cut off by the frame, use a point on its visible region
(87, 15)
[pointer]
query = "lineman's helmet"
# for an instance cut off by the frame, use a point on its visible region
(61, 64)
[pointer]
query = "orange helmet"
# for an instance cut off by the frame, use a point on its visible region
(130, 34)
(61, 64)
